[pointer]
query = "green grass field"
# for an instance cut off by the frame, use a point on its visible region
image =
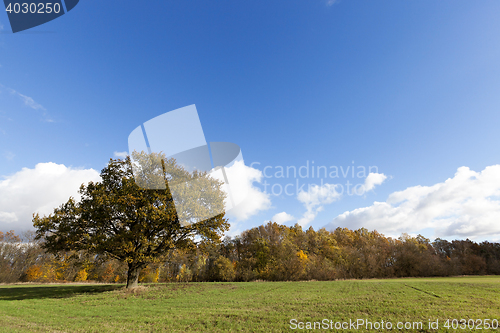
(249, 307)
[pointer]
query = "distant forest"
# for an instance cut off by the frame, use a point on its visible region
(270, 252)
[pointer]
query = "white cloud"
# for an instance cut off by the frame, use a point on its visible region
(120, 154)
(467, 205)
(49, 185)
(28, 101)
(314, 199)
(8, 217)
(372, 180)
(282, 218)
(40, 190)
(331, 2)
(242, 179)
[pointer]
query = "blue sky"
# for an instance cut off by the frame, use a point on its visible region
(412, 87)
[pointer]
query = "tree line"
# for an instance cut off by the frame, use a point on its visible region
(151, 220)
(270, 252)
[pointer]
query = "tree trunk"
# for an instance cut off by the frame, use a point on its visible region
(133, 275)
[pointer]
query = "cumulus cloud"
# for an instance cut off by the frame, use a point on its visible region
(282, 218)
(372, 180)
(8, 217)
(120, 154)
(467, 205)
(315, 198)
(253, 200)
(243, 199)
(48, 185)
(38, 190)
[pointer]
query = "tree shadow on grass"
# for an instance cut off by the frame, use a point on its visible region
(21, 292)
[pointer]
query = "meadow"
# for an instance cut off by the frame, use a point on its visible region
(254, 306)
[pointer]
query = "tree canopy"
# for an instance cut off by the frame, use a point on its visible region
(119, 219)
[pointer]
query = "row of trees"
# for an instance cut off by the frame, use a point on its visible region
(128, 227)
(269, 252)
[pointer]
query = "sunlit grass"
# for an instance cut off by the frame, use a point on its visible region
(249, 307)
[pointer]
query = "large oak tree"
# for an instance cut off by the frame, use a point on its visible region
(119, 219)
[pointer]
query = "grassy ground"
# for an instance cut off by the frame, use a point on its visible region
(248, 307)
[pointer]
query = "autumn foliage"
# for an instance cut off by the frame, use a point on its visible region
(121, 223)
(269, 252)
